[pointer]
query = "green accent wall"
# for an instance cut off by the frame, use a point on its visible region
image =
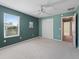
(56, 27)
(25, 32)
(40, 27)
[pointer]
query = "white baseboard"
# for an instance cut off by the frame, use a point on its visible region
(57, 40)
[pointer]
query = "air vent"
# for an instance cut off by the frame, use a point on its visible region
(71, 8)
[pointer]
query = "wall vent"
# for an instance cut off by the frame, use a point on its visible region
(70, 9)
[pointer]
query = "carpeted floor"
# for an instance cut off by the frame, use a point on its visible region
(40, 48)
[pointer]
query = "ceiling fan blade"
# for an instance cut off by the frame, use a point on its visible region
(47, 13)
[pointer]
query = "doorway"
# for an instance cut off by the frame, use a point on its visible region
(68, 29)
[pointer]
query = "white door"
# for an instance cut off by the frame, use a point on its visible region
(74, 30)
(47, 28)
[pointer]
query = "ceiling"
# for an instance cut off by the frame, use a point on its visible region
(31, 7)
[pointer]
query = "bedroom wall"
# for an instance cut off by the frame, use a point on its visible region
(40, 27)
(56, 21)
(56, 25)
(25, 32)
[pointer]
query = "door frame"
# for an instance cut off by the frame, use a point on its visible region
(74, 17)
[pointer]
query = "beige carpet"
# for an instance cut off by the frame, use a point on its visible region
(39, 48)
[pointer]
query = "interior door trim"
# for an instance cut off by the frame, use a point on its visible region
(74, 16)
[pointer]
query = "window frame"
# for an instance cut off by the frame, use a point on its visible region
(18, 26)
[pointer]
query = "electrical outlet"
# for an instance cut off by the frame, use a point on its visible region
(20, 37)
(5, 41)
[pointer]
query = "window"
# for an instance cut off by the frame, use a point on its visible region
(11, 25)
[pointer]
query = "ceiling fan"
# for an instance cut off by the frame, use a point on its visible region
(42, 10)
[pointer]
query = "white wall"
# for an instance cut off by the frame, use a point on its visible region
(47, 28)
